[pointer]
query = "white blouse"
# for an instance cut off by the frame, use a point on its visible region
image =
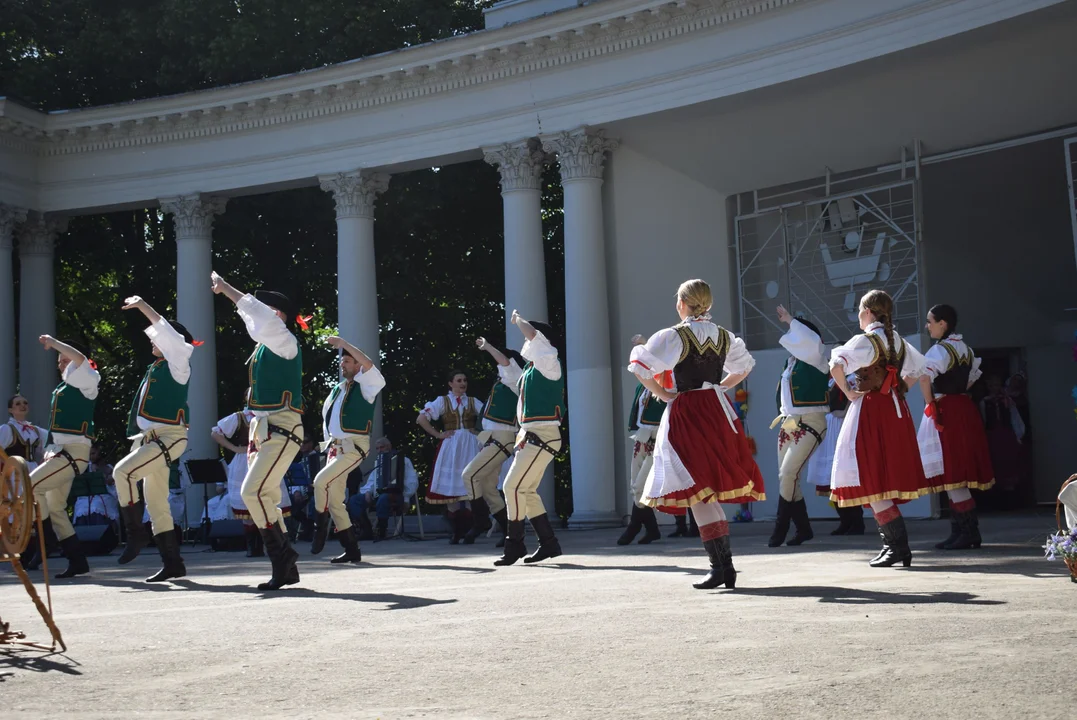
(432, 410)
(938, 361)
(266, 328)
(663, 350)
(859, 353)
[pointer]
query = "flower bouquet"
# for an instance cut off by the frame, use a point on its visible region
(1063, 544)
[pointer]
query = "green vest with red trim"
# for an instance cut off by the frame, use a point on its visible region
(276, 383)
(160, 399)
(356, 414)
(541, 399)
(72, 412)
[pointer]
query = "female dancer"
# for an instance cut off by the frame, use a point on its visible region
(953, 444)
(877, 460)
(701, 454)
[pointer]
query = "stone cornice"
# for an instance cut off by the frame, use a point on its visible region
(355, 192)
(578, 35)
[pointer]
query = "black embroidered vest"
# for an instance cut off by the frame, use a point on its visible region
(700, 362)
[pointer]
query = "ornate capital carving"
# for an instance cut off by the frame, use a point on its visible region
(582, 152)
(37, 235)
(355, 192)
(520, 164)
(10, 216)
(193, 214)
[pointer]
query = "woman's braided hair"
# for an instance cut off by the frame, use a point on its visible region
(882, 307)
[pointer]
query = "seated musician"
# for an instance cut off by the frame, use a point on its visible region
(389, 486)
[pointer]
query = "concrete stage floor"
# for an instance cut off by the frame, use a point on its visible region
(424, 629)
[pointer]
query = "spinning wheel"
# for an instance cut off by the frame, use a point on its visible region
(17, 514)
(16, 507)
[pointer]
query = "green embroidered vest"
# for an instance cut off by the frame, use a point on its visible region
(501, 405)
(356, 414)
(652, 410)
(163, 400)
(275, 383)
(72, 412)
(541, 398)
(808, 387)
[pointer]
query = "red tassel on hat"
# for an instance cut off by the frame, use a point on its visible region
(93, 365)
(303, 321)
(198, 343)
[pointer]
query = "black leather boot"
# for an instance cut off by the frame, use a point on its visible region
(461, 521)
(76, 558)
(955, 532)
(799, 514)
(682, 526)
(254, 542)
(502, 517)
(480, 522)
(856, 521)
(382, 529)
(548, 545)
(635, 524)
(722, 570)
(351, 547)
(282, 556)
(967, 526)
(844, 522)
(137, 537)
(168, 547)
(31, 559)
(729, 573)
(514, 544)
(650, 525)
(363, 529)
(896, 548)
(693, 527)
(321, 532)
(781, 524)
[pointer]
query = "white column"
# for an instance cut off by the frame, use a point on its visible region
(193, 218)
(355, 194)
(37, 312)
(9, 218)
(521, 165)
(587, 334)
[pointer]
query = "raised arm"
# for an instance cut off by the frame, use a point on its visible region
(63, 348)
(497, 355)
(222, 287)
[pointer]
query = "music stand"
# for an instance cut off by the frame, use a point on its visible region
(205, 473)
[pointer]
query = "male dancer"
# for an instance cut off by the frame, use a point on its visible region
(275, 398)
(68, 452)
(803, 403)
(157, 424)
(347, 419)
(539, 411)
(498, 435)
(644, 417)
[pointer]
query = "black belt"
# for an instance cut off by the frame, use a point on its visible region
(70, 461)
(810, 429)
(286, 433)
(491, 441)
(532, 439)
(164, 449)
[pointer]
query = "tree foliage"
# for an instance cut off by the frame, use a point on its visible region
(438, 238)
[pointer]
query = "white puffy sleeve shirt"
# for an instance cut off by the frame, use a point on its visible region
(663, 350)
(859, 353)
(266, 328)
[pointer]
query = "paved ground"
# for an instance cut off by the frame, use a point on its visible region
(429, 630)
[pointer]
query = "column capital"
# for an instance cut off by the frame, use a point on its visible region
(581, 152)
(10, 216)
(355, 192)
(193, 214)
(521, 164)
(37, 236)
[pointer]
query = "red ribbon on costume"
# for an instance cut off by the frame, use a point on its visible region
(303, 321)
(198, 343)
(891, 379)
(665, 379)
(932, 411)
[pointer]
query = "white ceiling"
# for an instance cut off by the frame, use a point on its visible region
(1010, 79)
